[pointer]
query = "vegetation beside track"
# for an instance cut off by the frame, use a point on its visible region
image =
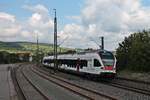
(142, 76)
(7, 58)
(133, 53)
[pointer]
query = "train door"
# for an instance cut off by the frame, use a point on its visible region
(97, 66)
(90, 64)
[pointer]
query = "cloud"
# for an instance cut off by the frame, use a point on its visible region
(113, 19)
(6, 17)
(8, 25)
(26, 34)
(37, 8)
(38, 21)
(12, 29)
(116, 15)
(74, 18)
(40, 18)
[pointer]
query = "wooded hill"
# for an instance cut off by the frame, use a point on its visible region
(14, 47)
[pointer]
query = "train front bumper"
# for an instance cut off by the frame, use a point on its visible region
(107, 74)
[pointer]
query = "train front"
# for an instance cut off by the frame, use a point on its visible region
(108, 68)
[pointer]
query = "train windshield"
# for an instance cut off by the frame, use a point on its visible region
(107, 58)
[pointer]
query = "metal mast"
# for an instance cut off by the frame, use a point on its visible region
(37, 48)
(55, 41)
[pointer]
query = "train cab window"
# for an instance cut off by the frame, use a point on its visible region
(45, 61)
(96, 63)
(106, 55)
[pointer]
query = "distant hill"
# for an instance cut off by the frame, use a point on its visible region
(26, 47)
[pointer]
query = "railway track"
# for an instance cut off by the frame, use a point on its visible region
(18, 89)
(85, 92)
(26, 88)
(128, 84)
(131, 85)
(137, 81)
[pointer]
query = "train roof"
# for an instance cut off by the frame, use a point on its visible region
(79, 53)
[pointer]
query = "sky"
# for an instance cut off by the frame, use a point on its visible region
(81, 23)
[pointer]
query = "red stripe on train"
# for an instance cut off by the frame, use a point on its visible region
(108, 68)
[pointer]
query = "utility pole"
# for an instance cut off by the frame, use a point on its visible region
(55, 41)
(37, 49)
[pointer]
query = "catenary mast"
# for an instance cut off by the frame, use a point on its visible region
(55, 41)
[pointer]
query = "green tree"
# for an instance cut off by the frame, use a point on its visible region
(134, 52)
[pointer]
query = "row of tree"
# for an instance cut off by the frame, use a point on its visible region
(134, 52)
(7, 58)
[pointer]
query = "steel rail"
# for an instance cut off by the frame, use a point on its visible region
(47, 76)
(131, 88)
(34, 86)
(138, 81)
(125, 87)
(18, 88)
(137, 90)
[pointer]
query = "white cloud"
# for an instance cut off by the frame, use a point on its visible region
(8, 25)
(116, 15)
(8, 32)
(26, 34)
(37, 8)
(11, 29)
(113, 19)
(38, 21)
(74, 18)
(6, 17)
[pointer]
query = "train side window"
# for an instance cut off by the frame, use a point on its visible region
(83, 63)
(96, 63)
(50, 61)
(59, 62)
(74, 63)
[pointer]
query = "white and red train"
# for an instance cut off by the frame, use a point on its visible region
(99, 63)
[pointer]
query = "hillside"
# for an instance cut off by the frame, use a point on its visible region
(26, 47)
